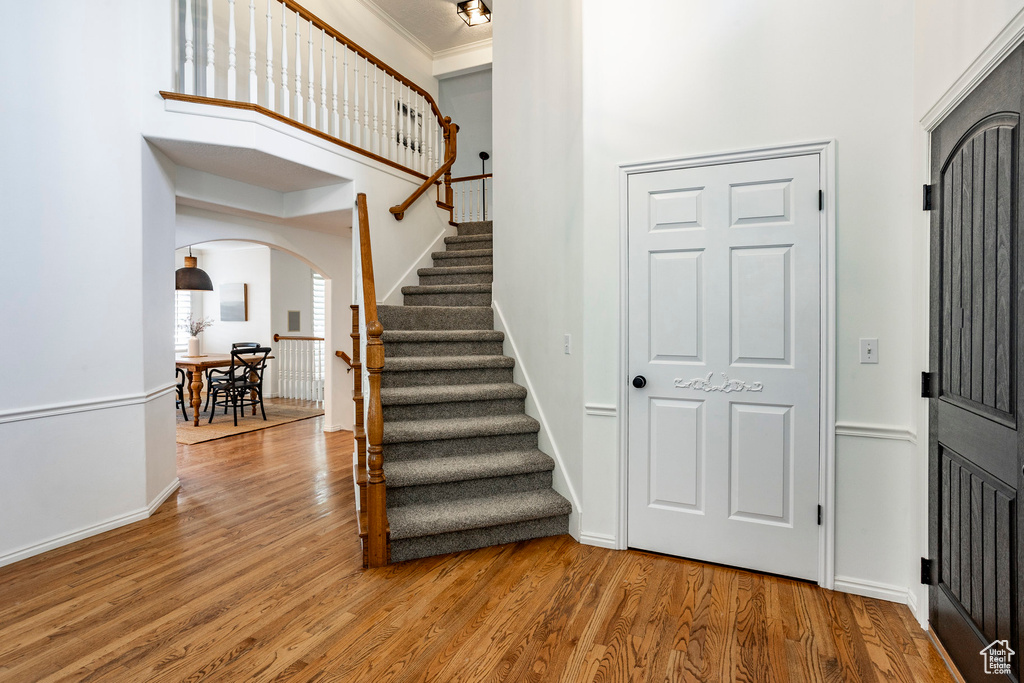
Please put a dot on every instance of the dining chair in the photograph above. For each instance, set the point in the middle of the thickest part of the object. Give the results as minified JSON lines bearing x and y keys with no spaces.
{"x":213,"y":375}
{"x":179,"y":389}
{"x":243,"y":385}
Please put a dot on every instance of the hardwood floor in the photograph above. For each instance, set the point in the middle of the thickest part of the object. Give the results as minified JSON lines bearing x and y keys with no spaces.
{"x":252,"y":573}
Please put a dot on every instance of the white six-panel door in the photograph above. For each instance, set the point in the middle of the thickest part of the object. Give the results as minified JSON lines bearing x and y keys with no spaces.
{"x":724,"y":325}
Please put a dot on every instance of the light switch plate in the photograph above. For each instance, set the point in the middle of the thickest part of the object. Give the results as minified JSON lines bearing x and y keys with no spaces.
{"x":868,"y":350}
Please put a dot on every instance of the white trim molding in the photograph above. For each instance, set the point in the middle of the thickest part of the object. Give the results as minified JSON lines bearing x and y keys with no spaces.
{"x":874,"y":589}
{"x":540,"y":417}
{"x":1008,"y":40}
{"x":876,"y":431}
{"x":57,"y":409}
{"x":825,"y":150}
{"x":108,"y":525}
{"x":378,"y":12}
{"x":601,"y":409}
{"x":599,"y":540}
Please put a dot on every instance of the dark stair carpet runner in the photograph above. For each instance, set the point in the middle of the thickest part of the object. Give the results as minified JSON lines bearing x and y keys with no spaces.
{"x":461,"y":460}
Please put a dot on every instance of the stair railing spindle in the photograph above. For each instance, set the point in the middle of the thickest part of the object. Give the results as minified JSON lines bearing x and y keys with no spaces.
{"x":254,"y":95}
{"x":393,"y":106}
{"x":285,"y":95}
{"x":346,"y":124}
{"x":232,"y":73}
{"x":356,"y":129}
{"x":376,"y":115}
{"x":324,"y":121}
{"x":270,"y":58}
{"x":211,"y":72}
{"x":298,"y":68}
{"x":335,"y":125}
{"x":367,"y":140}
{"x":190,"y":51}
{"x":311,"y":79}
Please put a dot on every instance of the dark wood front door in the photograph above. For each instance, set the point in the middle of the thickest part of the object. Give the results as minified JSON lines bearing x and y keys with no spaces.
{"x":975,"y":448}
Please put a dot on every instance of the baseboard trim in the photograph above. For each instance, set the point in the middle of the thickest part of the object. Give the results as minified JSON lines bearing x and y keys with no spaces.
{"x":873,"y":589}
{"x":599,"y":540}
{"x":93,"y":530}
{"x":946,"y":659}
{"x":544,"y":425}
{"x":875,"y":431}
{"x":337,"y":428}
{"x":163,"y":496}
{"x":58,"y":409}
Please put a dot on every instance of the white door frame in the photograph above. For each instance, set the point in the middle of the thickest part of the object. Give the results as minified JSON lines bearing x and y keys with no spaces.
{"x":826,"y":151}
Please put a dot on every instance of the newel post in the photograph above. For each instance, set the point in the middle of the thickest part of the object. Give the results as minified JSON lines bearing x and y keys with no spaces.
{"x":376,"y":494}
{"x":357,"y":398}
{"x":450,"y":130}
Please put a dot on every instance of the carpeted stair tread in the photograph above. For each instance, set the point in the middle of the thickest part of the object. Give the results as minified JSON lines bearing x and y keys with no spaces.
{"x":476,"y":227}
{"x":412,"y":336}
{"x":436,"y":317}
{"x":465,"y":253}
{"x":448,"y":289}
{"x":465,"y":239}
{"x":420,"y":363}
{"x":459,"y":428}
{"x":450,"y":393}
{"x":455,"y":270}
{"x":465,"y":467}
{"x":475,"y":513}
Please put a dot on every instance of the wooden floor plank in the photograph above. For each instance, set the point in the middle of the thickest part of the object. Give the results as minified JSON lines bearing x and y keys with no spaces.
{"x":252,"y":571}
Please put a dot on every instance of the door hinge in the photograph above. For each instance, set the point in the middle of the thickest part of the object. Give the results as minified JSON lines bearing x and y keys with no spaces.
{"x":927,"y":198}
{"x":927,"y":385}
{"x":820,"y":513}
{"x":926,"y":571}
{"x":821,"y":200}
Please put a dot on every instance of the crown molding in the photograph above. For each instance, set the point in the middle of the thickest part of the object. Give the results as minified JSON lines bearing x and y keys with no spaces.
{"x":398,"y":28}
{"x":463,"y":49}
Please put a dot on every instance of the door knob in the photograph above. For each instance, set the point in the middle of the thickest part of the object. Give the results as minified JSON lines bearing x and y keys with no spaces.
{"x":639,"y":381}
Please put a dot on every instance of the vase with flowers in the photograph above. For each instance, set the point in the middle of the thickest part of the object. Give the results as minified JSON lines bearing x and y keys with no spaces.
{"x":195,"y":328}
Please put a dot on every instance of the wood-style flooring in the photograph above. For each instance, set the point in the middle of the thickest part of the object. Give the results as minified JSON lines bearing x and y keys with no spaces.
{"x":251,"y":572}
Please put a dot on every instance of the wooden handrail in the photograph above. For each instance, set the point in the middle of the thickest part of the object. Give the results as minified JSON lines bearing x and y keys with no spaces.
{"x":279,"y":337}
{"x":377,"y":548}
{"x":345,"y":357}
{"x":450,"y":152}
{"x":464,"y":178}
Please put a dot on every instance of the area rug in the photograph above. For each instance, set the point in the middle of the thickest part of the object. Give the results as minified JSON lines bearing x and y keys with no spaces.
{"x":223,"y":425}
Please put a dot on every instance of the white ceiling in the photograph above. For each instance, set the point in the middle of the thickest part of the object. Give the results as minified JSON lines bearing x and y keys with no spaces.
{"x":433,"y":22}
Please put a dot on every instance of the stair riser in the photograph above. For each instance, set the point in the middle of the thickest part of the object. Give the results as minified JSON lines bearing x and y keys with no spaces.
{"x":461,"y":490}
{"x":447,"y":447}
{"x":465,"y":246}
{"x":420,"y":349}
{"x":419,"y":318}
{"x":437,"y":377}
{"x":454,"y":409}
{"x":458,"y":279}
{"x":471,"y":299}
{"x":475,"y":228}
{"x":463,"y":261}
{"x":425,"y":546}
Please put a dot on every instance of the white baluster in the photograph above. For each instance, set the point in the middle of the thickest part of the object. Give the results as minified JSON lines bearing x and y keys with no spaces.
{"x":463,"y":200}
{"x":405,"y":126}
{"x":254,"y":93}
{"x":232,"y":74}
{"x":416,"y":131}
{"x":298,"y":68}
{"x":346,"y":124}
{"x":392,"y":105}
{"x":356,"y":129}
{"x":211,"y":72}
{"x":190,"y":51}
{"x":383,"y":143}
{"x":334,"y":88}
{"x":324,"y":121}
{"x":270,"y":58}
{"x":285,"y":95}
{"x":429,"y":116}
{"x":311,"y":89}
{"x":367,"y":141}
{"x":376,"y":131}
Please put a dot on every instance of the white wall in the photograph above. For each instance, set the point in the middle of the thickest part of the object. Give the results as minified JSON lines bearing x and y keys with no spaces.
{"x":467,"y":99}
{"x":539,"y":224}
{"x":249,"y":265}
{"x":84,"y":411}
{"x":676,"y":87}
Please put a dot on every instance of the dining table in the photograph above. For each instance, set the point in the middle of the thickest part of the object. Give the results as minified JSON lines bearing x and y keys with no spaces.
{"x":195,"y":367}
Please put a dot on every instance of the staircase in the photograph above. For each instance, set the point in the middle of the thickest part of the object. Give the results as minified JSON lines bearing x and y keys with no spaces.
{"x":461,"y":460}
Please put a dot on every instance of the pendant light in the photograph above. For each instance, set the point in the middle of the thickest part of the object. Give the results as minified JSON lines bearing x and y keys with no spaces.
{"x":191,"y":278}
{"x":474,"y":12}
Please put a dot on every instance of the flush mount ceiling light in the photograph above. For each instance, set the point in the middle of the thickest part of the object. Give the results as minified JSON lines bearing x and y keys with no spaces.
{"x":474,"y":12}
{"x":191,"y":278}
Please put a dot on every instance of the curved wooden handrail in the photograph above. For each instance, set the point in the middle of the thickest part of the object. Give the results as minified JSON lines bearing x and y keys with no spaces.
{"x":279,"y":337}
{"x":450,"y":152}
{"x":480,"y":176}
{"x":376,"y":552}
